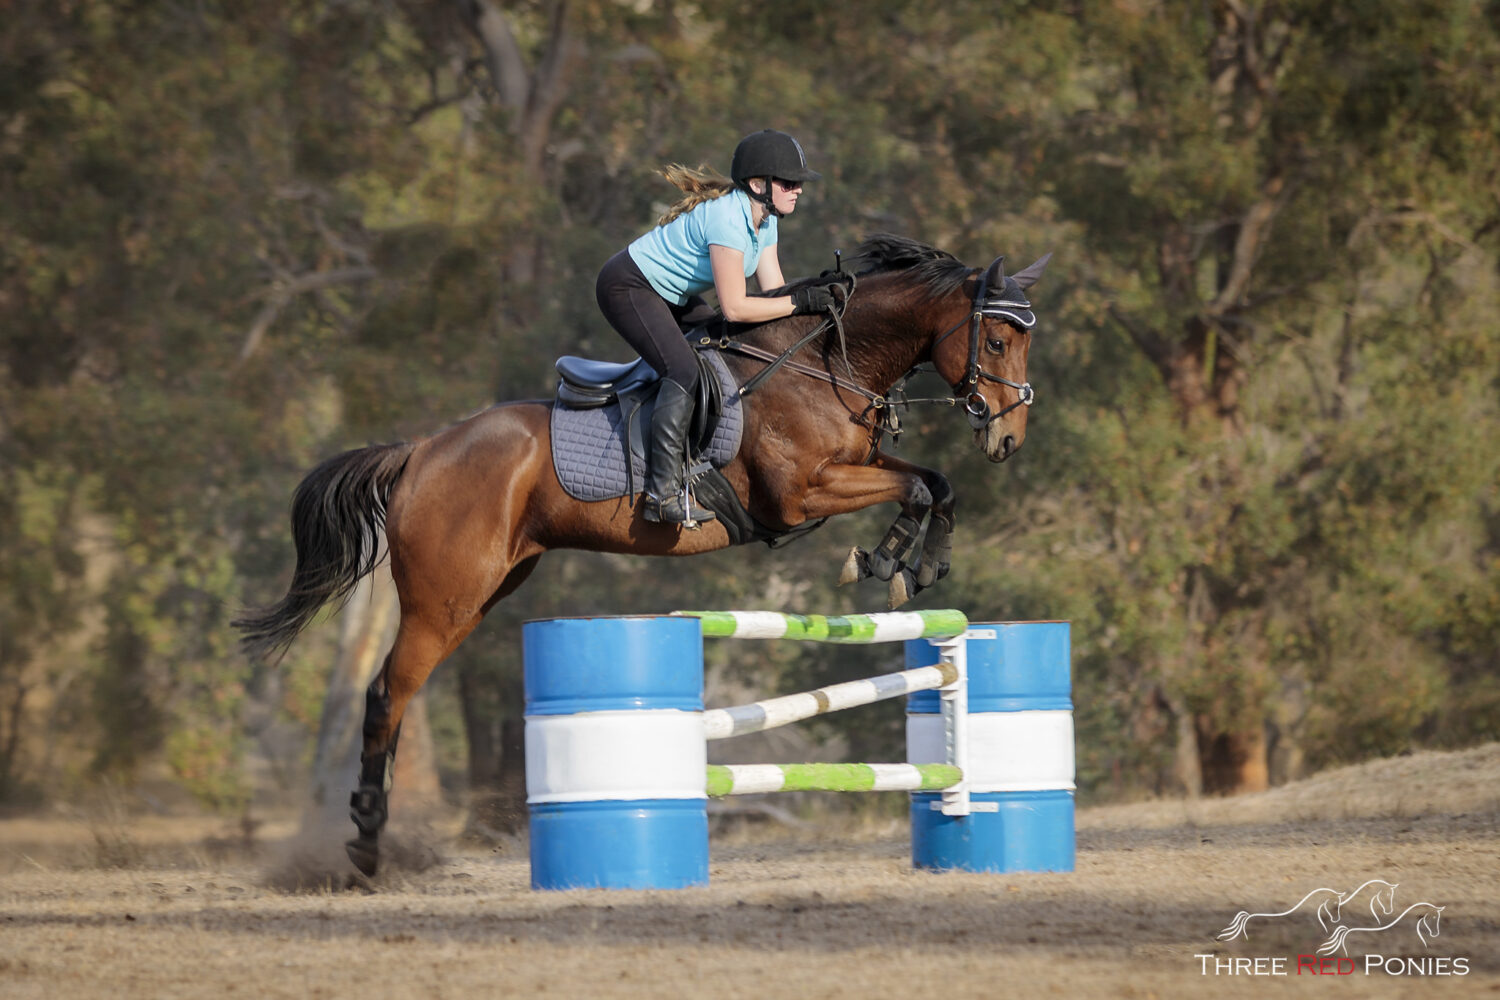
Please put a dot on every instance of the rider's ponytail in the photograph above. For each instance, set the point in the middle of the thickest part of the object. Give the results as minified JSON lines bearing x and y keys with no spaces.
{"x":701,"y":184}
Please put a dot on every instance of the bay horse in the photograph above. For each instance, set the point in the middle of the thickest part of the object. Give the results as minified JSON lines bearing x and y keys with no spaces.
{"x":469,"y":511}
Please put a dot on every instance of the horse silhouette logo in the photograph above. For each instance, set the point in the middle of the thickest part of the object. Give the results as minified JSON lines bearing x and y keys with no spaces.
{"x":1428,"y":920}
{"x":1330,"y":906}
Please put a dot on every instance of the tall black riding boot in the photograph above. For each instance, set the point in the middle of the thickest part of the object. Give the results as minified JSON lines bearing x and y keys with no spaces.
{"x":666,"y":496}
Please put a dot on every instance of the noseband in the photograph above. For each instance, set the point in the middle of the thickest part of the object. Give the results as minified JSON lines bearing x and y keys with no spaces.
{"x":1015,"y":309}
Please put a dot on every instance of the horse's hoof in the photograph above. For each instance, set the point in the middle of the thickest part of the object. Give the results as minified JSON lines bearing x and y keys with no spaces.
{"x":856,"y":567}
{"x":365,"y":854}
{"x":903,"y":587}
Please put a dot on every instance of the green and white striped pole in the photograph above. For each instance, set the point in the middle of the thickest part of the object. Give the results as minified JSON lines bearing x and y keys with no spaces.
{"x":751,"y":779}
{"x":895,"y":626}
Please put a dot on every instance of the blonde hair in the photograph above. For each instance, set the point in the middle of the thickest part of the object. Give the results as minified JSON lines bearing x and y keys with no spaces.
{"x":700,"y":184}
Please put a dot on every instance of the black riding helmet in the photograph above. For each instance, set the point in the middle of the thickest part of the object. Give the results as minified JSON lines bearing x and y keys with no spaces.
{"x":769,"y":153}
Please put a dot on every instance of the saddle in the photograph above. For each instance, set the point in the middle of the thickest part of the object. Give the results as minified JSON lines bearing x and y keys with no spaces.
{"x":601,"y":425}
{"x":587,"y":385}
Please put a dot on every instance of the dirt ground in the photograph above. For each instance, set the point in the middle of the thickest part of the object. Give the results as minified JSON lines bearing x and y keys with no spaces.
{"x":129,"y":907}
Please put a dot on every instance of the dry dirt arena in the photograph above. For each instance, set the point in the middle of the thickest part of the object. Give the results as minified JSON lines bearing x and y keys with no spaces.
{"x":137,"y":908}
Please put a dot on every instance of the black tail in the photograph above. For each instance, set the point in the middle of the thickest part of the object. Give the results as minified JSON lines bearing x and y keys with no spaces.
{"x":338,"y":512}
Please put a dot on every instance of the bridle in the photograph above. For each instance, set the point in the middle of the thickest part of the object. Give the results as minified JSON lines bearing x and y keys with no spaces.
{"x":1010,"y":305}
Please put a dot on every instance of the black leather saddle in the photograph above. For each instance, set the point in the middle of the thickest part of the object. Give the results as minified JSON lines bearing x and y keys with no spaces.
{"x":586,"y":384}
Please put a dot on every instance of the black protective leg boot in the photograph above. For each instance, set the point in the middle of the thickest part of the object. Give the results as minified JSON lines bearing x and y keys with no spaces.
{"x":666,"y":497}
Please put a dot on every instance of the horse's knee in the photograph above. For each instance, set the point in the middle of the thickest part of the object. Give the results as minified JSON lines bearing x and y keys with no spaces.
{"x":943,"y":496}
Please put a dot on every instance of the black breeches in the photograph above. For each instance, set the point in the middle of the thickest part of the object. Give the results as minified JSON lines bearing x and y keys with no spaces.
{"x":648,"y":322}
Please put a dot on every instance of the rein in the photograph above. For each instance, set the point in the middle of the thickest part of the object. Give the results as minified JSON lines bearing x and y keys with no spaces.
{"x":777,"y":361}
{"x":965,"y":391}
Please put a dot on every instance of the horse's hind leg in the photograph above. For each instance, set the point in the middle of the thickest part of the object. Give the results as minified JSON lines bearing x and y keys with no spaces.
{"x":418,"y":649}
{"x":368,"y":803}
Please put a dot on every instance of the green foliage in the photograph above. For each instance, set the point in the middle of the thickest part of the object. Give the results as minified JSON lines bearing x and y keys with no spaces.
{"x":1260,"y":478}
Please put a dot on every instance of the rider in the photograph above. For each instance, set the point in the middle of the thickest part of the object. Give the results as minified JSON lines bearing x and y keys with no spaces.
{"x":720,"y":233}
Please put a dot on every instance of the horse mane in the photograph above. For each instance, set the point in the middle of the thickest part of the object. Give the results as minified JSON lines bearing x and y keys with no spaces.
{"x":938,"y":271}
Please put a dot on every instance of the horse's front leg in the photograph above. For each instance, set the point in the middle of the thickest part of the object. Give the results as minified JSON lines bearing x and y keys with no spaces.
{"x":908,"y":576}
{"x":937,"y":547}
{"x":840,"y":489}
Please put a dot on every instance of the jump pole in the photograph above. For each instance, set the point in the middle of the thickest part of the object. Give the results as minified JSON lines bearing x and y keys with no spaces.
{"x":616,"y":744}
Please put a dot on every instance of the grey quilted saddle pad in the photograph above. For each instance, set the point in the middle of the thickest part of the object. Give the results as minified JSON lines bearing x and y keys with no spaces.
{"x":588,"y":446}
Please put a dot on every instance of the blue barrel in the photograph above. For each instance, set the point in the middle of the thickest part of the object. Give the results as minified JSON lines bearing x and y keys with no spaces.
{"x":1020,"y":768}
{"x":615,"y":754}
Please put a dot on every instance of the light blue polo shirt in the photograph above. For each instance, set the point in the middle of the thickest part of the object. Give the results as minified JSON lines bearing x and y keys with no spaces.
{"x":674,"y":257}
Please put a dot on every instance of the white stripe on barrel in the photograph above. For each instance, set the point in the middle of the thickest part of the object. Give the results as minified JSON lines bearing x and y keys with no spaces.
{"x":589,"y":756}
{"x":1023,"y":751}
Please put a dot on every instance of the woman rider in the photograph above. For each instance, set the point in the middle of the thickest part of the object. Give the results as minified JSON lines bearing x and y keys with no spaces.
{"x":722,"y":232}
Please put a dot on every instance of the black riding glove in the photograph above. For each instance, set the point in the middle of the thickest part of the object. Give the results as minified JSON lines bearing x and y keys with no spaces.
{"x":812,"y":299}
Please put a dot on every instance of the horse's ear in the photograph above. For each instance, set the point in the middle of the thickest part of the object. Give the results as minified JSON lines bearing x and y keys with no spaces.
{"x":1030,"y":275}
{"x":995,"y":276}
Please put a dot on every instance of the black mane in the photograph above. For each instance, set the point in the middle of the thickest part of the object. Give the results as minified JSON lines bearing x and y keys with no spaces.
{"x":938,"y":271}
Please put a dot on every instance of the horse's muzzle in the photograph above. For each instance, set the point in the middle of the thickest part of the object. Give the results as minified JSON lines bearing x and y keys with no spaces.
{"x":997,"y":445}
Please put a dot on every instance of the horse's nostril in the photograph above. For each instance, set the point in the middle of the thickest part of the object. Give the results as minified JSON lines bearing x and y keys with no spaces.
{"x":1008,"y":445}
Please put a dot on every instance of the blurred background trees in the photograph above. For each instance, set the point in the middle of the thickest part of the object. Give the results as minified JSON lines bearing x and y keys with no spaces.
{"x":1261,"y":477}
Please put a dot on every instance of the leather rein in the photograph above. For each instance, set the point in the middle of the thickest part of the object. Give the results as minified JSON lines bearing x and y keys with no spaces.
{"x":886,"y":420}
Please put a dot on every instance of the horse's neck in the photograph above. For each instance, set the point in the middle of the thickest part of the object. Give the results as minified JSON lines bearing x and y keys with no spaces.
{"x":880,"y":349}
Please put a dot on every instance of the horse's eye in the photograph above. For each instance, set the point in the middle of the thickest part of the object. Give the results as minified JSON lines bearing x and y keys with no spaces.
{"x":995,"y":346}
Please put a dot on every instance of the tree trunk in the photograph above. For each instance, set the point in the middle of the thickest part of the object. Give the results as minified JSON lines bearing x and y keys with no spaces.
{"x":497,"y":754}
{"x":512,"y":785}
{"x":1187,"y":762}
{"x":530,"y":95}
{"x":482,"y":732}
{"x":416,"y":791}
{"x":1232,"y":761}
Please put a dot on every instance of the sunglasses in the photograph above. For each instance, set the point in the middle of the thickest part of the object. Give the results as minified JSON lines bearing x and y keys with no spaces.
{"x":787,"y":185}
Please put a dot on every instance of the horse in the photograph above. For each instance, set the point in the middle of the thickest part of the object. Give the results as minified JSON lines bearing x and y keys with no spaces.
{"x":1329,"y":907}
{"x":468,"y":512}
{"x":1429,"y":925}
{"x":1382,"y":898}
{"x":1325,"y":904}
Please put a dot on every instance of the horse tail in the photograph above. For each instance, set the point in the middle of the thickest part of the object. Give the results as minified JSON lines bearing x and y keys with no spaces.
{"x":338,"y":513}
{"x":1335,"y":942}
{"x":1236,"y":926}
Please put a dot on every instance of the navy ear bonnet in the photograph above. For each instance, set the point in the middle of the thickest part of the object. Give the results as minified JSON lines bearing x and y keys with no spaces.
{"x":1009,"y":302}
